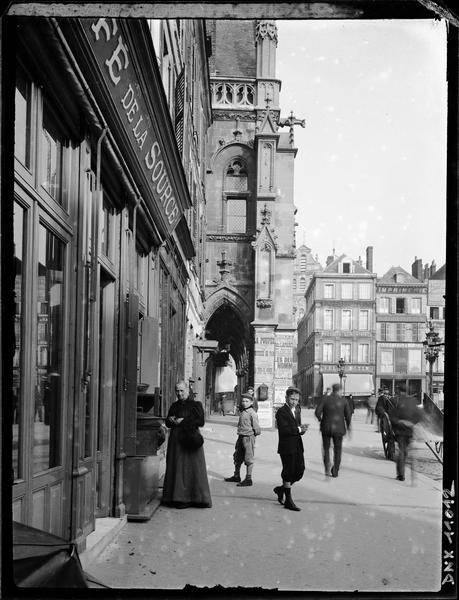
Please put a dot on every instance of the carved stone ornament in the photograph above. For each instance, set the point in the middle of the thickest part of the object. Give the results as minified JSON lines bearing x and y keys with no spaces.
{"x":229,"y":237}
{"x":264,"y":302}
{"x":224,"y":115}
{"x":266,"y":28}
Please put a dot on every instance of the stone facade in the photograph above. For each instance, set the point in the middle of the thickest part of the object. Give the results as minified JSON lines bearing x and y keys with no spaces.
{"x":400,"y":331}
{"x":339,"y":323}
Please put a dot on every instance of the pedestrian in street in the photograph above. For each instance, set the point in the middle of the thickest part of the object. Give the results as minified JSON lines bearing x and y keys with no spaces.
{"x":404,"y":415}
{"x":244,"y":452}
{"x":290,"y":447}
{"x":334,"y":415}
{"x":371,"y":406}
{"x":185,"y":480}
{"x":350,"y":401}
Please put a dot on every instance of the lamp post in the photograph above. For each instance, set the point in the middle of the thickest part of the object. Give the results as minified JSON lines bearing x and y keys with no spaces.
{"x":432,"y":345}
{"x":341,"y":374}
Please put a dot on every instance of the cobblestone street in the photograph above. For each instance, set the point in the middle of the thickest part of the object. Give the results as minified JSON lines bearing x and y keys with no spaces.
{"x":362,"y":531}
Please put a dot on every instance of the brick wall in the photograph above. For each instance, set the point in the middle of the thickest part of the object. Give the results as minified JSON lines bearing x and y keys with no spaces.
{"x":233,"y":48}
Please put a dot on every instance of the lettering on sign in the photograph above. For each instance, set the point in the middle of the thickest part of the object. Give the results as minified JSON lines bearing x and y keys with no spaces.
{"x":449,"y":558}
{"x":113,"y":57}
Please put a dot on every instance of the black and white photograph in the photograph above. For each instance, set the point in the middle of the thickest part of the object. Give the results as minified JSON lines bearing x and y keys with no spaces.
{"x":229,"y":261}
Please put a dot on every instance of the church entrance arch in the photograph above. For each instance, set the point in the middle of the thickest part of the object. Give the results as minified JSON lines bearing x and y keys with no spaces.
{"x":228,"y":369}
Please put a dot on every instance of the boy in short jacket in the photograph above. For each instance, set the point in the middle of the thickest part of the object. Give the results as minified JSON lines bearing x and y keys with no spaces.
{"x":244,"y":452}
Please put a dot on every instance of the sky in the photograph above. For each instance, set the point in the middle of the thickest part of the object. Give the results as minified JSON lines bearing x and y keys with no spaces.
{"x":371,"y":162}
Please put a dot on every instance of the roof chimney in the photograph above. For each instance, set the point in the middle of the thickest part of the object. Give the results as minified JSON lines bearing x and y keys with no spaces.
{"x":330,"y":259}
{"x":433,"y":268}
{"x":416,"y":268}
{"x":426,"y":271}
{"x":370,"y":259}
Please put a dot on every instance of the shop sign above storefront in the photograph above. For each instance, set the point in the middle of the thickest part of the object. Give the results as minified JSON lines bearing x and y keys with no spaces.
{"x":115,"y":61}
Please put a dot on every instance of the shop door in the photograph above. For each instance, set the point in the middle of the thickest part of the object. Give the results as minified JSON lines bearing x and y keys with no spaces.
{"x":106,"y":396}
{"x":43,"y":447}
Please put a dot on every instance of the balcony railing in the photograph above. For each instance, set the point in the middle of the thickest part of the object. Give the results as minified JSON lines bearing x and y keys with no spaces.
{"x":232,"y":94}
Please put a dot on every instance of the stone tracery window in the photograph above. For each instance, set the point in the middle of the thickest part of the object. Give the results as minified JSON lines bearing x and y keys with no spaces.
{"x":235,"y":196}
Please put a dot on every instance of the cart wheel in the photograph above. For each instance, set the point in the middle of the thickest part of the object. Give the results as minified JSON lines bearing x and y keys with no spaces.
{"x":387,"y":438}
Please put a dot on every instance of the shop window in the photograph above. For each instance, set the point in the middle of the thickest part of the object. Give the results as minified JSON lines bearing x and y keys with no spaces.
{"x":387,"y":361}
{"x":107,"y":230}
{"x":17,"y":397}
{"x":52,"y":152}
{"x":22,"y":119}
{"x":363,"y":353}
{"x":346,"y":352}
{"x":401,"y":360}
{"x":346,"y":320}
{"x":400,"y":305}
{"x":414,"y":360}
{"x":48,"y":389}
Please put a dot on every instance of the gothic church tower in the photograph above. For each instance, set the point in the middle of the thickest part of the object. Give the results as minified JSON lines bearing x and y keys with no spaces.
{"x":250,"y":244}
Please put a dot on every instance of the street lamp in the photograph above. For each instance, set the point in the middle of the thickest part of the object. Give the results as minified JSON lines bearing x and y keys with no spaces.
{"x":341,"y":374}
{"x":432,"y":345}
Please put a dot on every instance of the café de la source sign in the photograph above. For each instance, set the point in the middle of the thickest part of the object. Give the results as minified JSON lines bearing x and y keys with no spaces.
{"x":114,"y":59}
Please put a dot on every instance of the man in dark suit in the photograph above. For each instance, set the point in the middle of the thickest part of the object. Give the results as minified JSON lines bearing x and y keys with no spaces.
{"x":403,"y":416}
{"x":335,"y":416}
{"x":290,"y":448}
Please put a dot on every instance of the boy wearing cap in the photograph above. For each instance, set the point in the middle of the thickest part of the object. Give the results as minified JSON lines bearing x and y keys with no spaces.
{"x":244,"y":452}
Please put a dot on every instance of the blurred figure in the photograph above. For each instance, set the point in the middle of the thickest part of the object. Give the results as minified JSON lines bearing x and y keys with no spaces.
{"x":334,"y":416}
{"x":371,"y":408}
{"x":404,"y":415}
{"x":350,"y":401}
{"x":384,"y":404}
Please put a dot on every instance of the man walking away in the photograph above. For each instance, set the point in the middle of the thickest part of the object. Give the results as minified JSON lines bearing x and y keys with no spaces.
{"x":335,"y":417}
{"x":290,"y":448}
{"x":403,"y":416}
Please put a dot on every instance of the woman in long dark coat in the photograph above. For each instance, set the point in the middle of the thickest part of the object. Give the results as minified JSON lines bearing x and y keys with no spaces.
{"x":185,"y":481}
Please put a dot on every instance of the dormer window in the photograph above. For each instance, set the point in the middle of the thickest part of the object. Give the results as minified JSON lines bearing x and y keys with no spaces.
{"x":346,"y":267}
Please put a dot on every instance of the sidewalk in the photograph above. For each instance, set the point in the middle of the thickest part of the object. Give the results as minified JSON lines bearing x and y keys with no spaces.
{"x":362,"y":531}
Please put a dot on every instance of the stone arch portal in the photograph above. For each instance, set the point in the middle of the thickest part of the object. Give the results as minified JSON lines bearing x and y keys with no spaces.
{"x":226,"y":325}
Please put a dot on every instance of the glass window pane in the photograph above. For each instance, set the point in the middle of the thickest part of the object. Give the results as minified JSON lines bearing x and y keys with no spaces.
{"x":48,"y":388}
{"x":328,"y":319}
{"x":416,"y":306}
{"x":387,"y":361}
{"x":384,"y":305}
{"x":363,"y":320}
{"x":415,"y":360}
{"x":346,"y":319}
{"x":52,"y":154}
{"x":22,"y":119}
{"x":328,"y":291}
{"x":16,"y":399}
{"x":346,"y":352}
{"x":328,"y":353}
{"x":236,"y":222}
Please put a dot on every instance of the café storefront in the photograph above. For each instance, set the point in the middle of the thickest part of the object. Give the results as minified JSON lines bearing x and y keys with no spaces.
{"x":100,"y":251}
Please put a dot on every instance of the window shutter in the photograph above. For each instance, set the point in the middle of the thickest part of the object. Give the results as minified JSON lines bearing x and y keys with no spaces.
{"x":179,"y":109}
